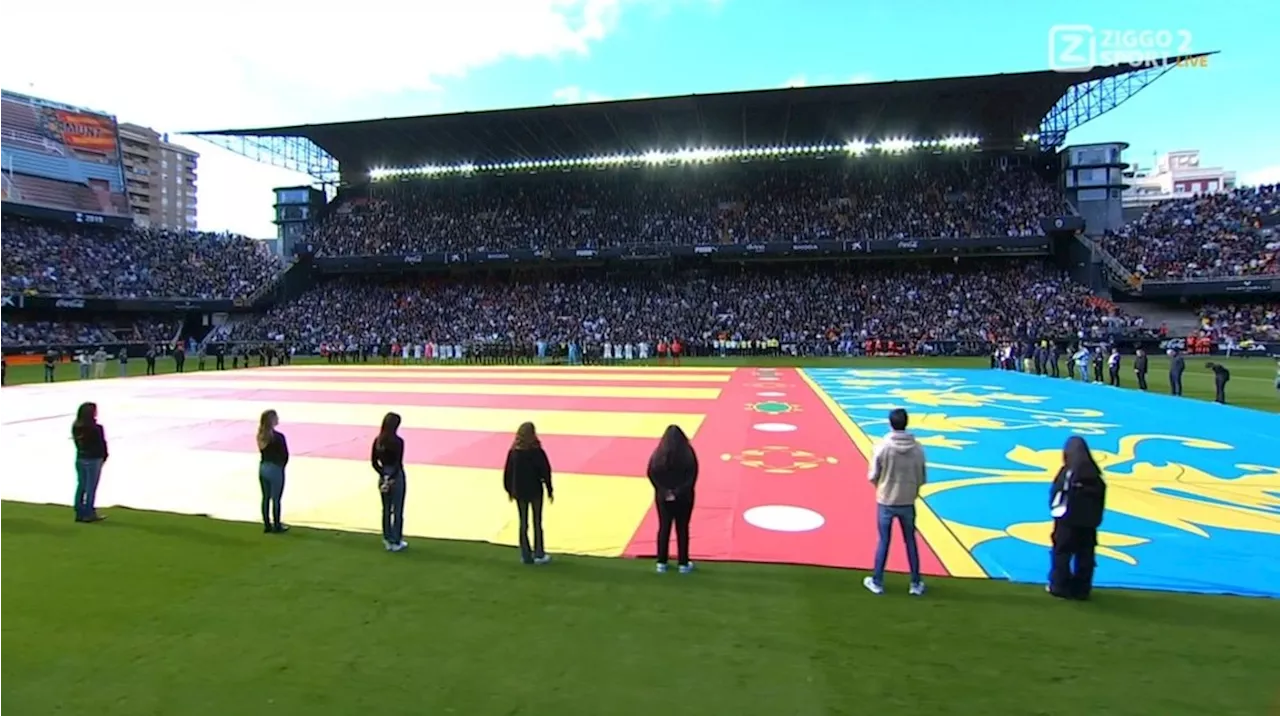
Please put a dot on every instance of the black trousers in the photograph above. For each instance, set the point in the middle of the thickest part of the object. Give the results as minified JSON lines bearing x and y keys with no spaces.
{"x":1114,"y":377}
{"x":1054,"y":370}
{"x":1219,"y":391}
{"x":674,"y":514}
{"x":1071,"y":571}
{"x":1142,"y":381}
{"x":1175,"y":384}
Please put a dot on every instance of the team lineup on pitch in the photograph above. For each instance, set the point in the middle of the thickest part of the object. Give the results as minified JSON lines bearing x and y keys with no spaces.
{"x":1194,"y":494}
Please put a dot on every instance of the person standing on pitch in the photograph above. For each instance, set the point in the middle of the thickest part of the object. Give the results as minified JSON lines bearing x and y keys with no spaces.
{"x":50,"y":364}
{"x":525,"y":478}
{"x":274,"y":451}
{"x":673,"y":472}
{"x":91,"y":453}
{"x":1177,"y":365}
{"x":1113,"y":368}
{"x":1140,"y":369}
{"x":898,"y":472}
{"x":387,"y":458}
{"x":1077,"y":501}
{"x":1220,"y":377}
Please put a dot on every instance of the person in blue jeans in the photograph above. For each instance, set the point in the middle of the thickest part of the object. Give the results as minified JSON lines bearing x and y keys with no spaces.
{"x":91,"y":454}
{"x":898,"y":472}
{"x":274,"y":452}
{"x":387,"y":458}
{"x":526,"y":477}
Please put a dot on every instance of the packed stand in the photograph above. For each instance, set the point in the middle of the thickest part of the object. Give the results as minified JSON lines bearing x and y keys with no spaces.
{"x":674,"y":205}
{"x":77,"y":260}
{"x":33,"y":333}
{"x":805,"y":305}
{"x":1211,"y":236}
{"x":1241,"y":322}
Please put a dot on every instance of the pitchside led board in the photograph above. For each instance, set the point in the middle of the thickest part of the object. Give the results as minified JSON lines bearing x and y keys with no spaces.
{"x":61,"y":162}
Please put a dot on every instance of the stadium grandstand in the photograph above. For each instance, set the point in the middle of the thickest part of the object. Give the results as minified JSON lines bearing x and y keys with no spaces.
{"x":734,"y":216}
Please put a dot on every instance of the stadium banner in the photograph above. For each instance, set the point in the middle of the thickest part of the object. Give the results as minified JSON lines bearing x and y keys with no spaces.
{"x":1225,"y":287}
{"x":87,"y":132}
{"x":45,"y":213}
{"x":1000,"y":244}
{"x":124,"y":305}
{"x":15,"y":300}
{"x":653,"y":252}
{"x":33,"y":353}
{"x":1244,"y":348}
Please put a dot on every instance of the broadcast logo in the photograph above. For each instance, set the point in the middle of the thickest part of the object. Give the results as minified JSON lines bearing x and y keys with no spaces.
{"x":1081,"y":48}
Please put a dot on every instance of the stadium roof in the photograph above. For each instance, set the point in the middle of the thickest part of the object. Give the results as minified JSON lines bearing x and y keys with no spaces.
{"x":1000,"y":109}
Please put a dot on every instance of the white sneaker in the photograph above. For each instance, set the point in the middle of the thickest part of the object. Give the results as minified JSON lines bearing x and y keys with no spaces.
{"x":871,"y":585}
{"x":916,"y":589}
{"x":545,"y":559}
{"x":399,"y":547}
{"x":402,"y":544}
{"x":662,"y":568}
{"x":686,"y":568}
{"x":387,"y":545}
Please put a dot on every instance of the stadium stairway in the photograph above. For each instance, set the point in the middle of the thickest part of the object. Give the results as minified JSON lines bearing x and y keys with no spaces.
{"x":1181,"y":321}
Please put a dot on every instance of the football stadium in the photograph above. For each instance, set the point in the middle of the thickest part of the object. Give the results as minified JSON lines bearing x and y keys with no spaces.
{"x":773,"y":274}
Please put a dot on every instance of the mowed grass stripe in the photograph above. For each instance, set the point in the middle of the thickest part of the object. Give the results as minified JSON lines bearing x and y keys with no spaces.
{"x":467,"y":388}
{"x":552,"y":422}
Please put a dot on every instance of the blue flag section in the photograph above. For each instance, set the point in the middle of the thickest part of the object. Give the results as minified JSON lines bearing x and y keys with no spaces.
{"x":1193,"y":499}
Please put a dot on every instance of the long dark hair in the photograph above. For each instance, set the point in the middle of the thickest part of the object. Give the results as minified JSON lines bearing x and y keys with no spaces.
{"x":1077,"y":458}
{"x":267,"y":423}
{"x":390,"y":424}
{"x":526,"y":438}
{"x":86,"y":415}
{"x":674,"y":451}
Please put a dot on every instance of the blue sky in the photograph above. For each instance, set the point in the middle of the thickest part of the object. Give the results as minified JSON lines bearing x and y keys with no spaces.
{"x":240,"y":65}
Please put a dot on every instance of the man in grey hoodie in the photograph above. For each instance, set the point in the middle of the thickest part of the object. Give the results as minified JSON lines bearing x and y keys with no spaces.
{"x":898,"y":472}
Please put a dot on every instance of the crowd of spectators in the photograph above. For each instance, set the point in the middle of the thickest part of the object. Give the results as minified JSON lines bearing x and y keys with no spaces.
{"x":803,"y":304}
{"x":698,"y":204}
{"x":1210,"y":236}
{"x":79,"y":260}
{"x":1240,"y":322}
{"x":28,"y":333}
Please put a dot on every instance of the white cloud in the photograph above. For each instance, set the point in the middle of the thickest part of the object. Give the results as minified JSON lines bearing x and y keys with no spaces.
{"x":574,"y":94}
{"x":797,"y":81}
{"x":241,"y":63}
{"x":1262,"y":177}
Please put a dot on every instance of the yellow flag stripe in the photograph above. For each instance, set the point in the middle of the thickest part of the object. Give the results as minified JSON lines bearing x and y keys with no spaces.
{"x":555,"y":390}
{"x":551,"y":422}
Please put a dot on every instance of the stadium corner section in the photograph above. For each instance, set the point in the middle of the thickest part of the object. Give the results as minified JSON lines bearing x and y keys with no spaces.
{"x":945,"y":552}
{"x":780,"y":482}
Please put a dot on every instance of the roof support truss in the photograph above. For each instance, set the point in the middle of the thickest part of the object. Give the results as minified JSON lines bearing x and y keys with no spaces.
{"x":297,"y":154}
{"x":1084,"y":102}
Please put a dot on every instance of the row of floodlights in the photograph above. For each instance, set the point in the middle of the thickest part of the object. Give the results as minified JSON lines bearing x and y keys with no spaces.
{"x":695,"y":156}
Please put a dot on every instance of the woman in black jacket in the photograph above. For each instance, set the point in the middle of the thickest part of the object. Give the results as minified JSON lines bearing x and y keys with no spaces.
{"x":673,"y":471}
{"x":273,"y":451}
{"x":91,"y":454}
{"x":387,"y":458}
{"x":526,"y":475}
{"x":1077,"y":502}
